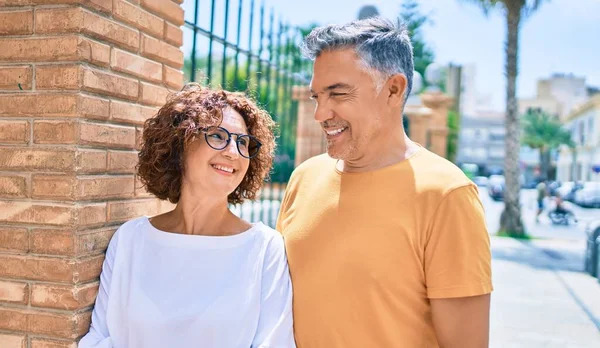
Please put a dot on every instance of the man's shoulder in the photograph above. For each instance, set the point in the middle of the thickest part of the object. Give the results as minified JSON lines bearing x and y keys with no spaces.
{"x":314,"y":166}
{"x":435,"y":173}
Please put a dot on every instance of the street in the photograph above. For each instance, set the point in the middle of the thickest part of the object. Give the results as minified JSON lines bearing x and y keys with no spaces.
{"x":541,"y":296}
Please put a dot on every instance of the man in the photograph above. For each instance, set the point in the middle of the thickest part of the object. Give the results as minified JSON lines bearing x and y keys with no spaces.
{"x":541,"y":195}
{"x":386,"y":241}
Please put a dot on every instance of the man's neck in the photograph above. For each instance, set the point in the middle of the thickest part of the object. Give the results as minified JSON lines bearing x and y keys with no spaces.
{"x":396,"y":150}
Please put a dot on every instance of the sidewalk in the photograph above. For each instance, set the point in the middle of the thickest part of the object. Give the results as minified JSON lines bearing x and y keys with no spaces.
{"x":541,"y":298}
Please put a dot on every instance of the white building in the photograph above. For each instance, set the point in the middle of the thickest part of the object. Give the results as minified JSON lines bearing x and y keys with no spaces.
{"x":557,"y":95}
{"x":583,"y":163}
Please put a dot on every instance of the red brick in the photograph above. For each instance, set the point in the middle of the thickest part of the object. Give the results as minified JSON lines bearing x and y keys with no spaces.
{"x":152,"y":94}
{"x":93,"y":52}
{"x":68,"y":297}
{"x":14,"y":292}
{"x":102,"y":187}
{"x":38,"y":49}
{"x":173,"y":77}
{"x":122,"y":161}
{"x":55,"y":132}
{"x":140,"y":189}
{"x":107,"y":30}
{"x":59,"y":325}
{"x":173,"y":34}
{"x":110,"y":84}
{"x":94,"y":241}
{"x":14,"y":132}
{"x":14,"y":239}
{"x":107,"y":135}
{"x":138,"y":137}
{"x":34,"y":159}
{"x":59,"y":187}
{"x":12,"y":76}
{"x":130,"y":113}
{"x":134,"y":15}
{"x":78,"y":20}
{"x":13,"y":186}
{"x":93,"y":107}
{"x":161,"y":51}
{"x":37,"y":268}
{"x":90,"y":161}
{"x":16,"y":22}
{"x":36,"y":213}
{"x":57,"y":77}
{"x":13,"y":341}
{"x":165,"y":9}
{"x":69,"y":242}
{"x":13,"y":319}
{"x":33,"y":104}
{"x":101,"y":5}
{"x":90,"y":214}
{"x":89,"y":269}
{"x":49,"y":343}
{"x":123,"y":211}
{"x":58,"y":20}
{"x":52,"y":242}
{"x":135,"y":65}
{"x":93,"y":187}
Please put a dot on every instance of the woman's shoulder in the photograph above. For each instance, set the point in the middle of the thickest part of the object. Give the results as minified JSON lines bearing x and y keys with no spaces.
{"x":129,"y":230}
{"x":270,"y":238}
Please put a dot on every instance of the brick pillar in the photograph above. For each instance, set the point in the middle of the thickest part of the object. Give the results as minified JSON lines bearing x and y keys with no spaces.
{"x":309,"y":134}
{"x":438,"y":127}
{"x":77,"y":80}
{"x":419,"y":118}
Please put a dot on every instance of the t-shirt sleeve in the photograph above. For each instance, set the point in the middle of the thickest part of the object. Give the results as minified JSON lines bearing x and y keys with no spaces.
{"x":98,"y":335}
{"x":284,"y":206}
{"x":275,"y":323}
{"x":457,"y":253}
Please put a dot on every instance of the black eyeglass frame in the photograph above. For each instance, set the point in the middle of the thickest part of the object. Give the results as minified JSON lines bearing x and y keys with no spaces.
{"x":229,"y":136}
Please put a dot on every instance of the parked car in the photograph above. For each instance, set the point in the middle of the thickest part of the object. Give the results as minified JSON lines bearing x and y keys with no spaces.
{"x":480,"y":180}
{"x":495,"y":187}
{"x":592,"y":232}
{"x":589,"y":195}
{"x":568,"y":189}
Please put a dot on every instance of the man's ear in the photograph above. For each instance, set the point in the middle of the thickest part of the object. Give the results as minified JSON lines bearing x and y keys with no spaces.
{"x":396,"y":86}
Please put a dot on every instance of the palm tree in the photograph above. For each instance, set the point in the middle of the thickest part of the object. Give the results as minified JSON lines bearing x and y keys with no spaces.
{"x":515,"y":11}
{"x":544,"y":132}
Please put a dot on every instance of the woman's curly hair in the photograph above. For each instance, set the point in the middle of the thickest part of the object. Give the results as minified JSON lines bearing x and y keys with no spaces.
{"x":179,"y":121}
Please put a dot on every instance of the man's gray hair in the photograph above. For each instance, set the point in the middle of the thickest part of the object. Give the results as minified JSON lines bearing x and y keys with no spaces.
{"x":382,"y":46}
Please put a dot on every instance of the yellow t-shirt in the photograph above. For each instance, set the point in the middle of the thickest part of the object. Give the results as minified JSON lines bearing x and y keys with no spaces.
{"x":368,"y":250}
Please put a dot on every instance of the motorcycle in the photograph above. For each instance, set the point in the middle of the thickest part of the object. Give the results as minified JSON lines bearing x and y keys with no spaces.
{"x":559,"y":217}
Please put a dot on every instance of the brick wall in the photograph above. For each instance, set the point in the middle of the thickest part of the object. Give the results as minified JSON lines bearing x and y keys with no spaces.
{"x":77,"y":80}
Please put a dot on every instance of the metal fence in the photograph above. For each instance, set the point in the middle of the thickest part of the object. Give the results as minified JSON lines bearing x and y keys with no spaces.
{"x":245,"y":49}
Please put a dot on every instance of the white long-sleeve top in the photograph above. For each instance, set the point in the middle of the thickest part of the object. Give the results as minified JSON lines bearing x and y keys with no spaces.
{"x":162,"y":290}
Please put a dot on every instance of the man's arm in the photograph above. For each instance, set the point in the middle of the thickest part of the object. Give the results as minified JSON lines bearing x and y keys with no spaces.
{"x":458,"y":270}
{"x":462,"y":322}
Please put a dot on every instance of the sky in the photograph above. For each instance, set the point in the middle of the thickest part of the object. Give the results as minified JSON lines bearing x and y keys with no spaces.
{"x":563,"y":36}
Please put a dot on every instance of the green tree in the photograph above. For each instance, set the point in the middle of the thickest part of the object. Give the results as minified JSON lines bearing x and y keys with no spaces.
{"x":514,"y":11}
{"x":453,"y":128}
{"x":544,"y":132}
{"x":411,"y":16}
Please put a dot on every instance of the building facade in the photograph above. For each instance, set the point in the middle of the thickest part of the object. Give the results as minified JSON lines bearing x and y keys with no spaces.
{"x":481,"y":142}
{"x":582,"y":162}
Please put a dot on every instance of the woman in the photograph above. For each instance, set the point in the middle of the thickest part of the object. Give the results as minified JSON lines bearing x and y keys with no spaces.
{"x":198,"y":276}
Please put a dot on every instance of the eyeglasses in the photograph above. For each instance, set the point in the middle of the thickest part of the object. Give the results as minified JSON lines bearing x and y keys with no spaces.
{"x":218,"y":138}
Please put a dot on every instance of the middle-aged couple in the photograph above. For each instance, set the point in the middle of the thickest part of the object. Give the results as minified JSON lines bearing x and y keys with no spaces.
{"x":379,"y":242}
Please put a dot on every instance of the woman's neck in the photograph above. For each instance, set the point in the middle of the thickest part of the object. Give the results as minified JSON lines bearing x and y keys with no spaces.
{"x":201,"y":215}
